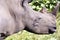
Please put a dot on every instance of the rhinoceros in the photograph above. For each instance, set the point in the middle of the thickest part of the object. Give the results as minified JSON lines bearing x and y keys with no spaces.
{"x":40,"y":22}
{"x":17,"y":15}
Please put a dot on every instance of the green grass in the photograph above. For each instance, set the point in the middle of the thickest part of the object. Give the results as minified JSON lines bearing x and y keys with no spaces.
{"x":24,"y":35}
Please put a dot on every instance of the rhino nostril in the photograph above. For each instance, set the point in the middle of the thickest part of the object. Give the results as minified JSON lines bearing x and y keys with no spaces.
{"x":52,"y":30}
{"x":54,"y":27}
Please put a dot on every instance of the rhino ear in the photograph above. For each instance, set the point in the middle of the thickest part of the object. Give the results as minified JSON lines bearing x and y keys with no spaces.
{"x":56,"y":8}
{"x":43,"y":10}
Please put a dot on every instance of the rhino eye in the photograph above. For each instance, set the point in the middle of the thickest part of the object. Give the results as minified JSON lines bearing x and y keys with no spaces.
{"x":35,"y":20}
{"x":39,"y":18}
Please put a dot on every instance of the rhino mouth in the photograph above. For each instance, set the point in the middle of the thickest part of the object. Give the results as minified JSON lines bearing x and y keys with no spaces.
{"x":50,"y":31}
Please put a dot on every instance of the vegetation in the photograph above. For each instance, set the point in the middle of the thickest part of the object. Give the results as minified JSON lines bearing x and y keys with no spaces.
{"x":24,"y":35}
{"x":38,"y":4}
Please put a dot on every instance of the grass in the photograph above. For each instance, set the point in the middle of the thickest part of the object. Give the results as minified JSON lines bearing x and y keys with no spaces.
{"x":24,"y":35}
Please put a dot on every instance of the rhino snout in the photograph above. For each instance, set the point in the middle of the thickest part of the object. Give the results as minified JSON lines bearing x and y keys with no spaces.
{"x":52,"y":30}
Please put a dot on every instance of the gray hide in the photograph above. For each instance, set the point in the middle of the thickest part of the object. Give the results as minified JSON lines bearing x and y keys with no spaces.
{"x":16,"y":15}
{"x":11,"y":12}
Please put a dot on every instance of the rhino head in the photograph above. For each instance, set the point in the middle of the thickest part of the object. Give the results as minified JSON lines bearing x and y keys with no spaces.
{"x":40,"y":22}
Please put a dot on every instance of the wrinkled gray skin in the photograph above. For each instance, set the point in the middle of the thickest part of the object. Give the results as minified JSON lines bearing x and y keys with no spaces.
{"x":16,"y":15}
{"x":8,"y":10}
{"x":11,"y":12}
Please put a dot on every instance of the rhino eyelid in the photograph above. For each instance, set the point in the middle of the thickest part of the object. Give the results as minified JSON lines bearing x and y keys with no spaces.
{"x":39,"y":18}
{"x":35,"y":20}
